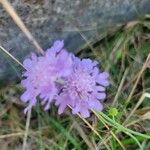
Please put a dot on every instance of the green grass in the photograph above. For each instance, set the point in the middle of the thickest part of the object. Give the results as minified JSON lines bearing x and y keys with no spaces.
{"x":123,"y":54}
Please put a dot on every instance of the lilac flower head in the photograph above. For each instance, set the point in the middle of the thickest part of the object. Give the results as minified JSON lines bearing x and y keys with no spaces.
{"x":70,"y":81}
{"x":42,"y":73}
{"x":84,"y":88}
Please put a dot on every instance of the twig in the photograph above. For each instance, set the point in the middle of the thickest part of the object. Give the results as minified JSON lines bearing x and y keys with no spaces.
{"x":21,"y":133}
{"x":138,"y":78}
{"x":27,"y":130}
{"x":113,"y":52}
{"x":16,"y":60}
{"x":11,"y":135}
{"x":83,"y":135}
{"x":120,"y":86}
{"x":136,"y":106}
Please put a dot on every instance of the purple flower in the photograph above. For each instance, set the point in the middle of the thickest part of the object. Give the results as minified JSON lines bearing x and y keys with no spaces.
{"x":84,"y":88}
{"x":61,"y":77}
{"x":42,"y":74}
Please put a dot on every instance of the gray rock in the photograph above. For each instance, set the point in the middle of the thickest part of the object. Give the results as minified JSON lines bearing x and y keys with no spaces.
{"x":49,"y":20}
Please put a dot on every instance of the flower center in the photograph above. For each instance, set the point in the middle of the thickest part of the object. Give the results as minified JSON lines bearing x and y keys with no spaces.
{"x":80,"y":84}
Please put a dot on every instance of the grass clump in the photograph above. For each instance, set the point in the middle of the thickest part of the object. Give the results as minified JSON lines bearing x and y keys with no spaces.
{"x":124,"y":124}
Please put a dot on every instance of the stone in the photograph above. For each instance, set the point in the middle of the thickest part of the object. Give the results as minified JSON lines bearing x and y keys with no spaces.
{"x":49,"y":20}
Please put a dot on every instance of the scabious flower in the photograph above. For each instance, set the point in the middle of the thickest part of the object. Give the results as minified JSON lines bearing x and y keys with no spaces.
{"x":42,"y":73}
{"x":68,"y":80}
{"x":84,"y":88}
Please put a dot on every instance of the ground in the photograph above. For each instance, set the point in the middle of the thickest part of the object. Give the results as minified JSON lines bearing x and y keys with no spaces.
{"x":125,"y":121}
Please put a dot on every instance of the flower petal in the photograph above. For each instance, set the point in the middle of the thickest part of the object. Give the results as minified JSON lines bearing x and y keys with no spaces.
{"x":95,"y":104}
{"x":100,"y":95}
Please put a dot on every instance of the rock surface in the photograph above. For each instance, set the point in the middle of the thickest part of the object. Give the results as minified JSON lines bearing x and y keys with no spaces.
{"x":48,"y":20}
